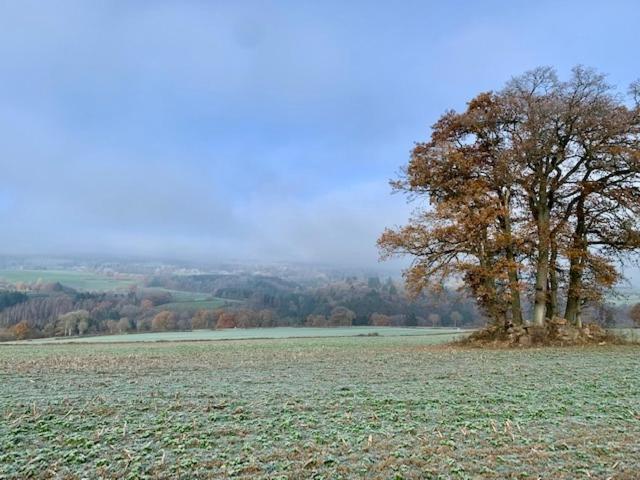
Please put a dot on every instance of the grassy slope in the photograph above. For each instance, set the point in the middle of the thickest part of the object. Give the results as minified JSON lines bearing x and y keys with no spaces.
{"x":92,"y":282}
{"x":360,"y":407}
{"x":190,"y":301}
{"x":442,"y":334}
{"x":85,"y":281}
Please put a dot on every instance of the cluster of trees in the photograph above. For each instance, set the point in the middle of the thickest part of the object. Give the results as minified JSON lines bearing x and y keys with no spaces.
{"x":365,"y":298}
{"x":219,"y":318}
{"x":107,"y":313}
{"x":54,"y":310}
{"x":294,"y":304}
{"x":532,"y":197}
{"x":9,"y":298}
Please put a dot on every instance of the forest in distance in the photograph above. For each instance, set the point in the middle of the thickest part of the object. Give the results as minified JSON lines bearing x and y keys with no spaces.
{"x":165,"y":302}
{"x":97,"y":303}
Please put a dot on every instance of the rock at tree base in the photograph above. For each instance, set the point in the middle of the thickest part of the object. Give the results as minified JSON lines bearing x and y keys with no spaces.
{"x":555,"y":332}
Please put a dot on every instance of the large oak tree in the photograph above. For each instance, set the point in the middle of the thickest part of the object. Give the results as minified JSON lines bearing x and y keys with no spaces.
{"x":533,"y":190}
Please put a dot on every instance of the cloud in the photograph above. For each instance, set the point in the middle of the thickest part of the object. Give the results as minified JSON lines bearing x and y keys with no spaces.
{"x":263,"y":130}
{"x":339,"y":226}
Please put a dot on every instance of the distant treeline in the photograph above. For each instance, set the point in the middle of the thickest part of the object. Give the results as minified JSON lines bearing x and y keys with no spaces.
{"x":237,"y":287}
{"x":251,"y":301}
{"x":9,"y":298}
{"x":295,"y":304}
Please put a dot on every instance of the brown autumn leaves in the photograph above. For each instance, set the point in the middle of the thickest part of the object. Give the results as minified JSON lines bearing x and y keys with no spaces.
{"x":529,"y":197}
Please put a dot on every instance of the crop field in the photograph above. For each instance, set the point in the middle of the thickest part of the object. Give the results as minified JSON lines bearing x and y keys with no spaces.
{"x":189,"y":301}
{"x":440,"y":335}
{"x":325,"y":408}
{"x":84,"y":281}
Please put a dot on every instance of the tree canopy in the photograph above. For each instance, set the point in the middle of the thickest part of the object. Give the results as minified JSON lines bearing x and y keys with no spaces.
{"x":533,"y":192}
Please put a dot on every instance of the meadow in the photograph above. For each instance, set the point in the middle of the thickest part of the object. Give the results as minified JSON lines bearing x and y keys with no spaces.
{"x":440,"y":334}
{"x":325,"y":408}
{"x":181,"y":301}
{"x":82,"y":281}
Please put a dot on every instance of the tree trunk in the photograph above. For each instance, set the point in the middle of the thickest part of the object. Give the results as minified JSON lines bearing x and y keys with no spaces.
{"x":576,"y":265}
{"x":573,"y":295}
{"x":490,"y":302}
{"x":514,"y":284}
{"x":552,"y":301}
{"x":542,"y":264}
{"x":489,"y":296}
{"x":514,"y":287}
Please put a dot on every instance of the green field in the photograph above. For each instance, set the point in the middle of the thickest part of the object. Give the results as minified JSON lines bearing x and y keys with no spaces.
{"x":93,"y":282}
{"x":83,"y":281}
{"x":324,"y":408}
{"x":440,"y":334}
{"x":189,"y":301}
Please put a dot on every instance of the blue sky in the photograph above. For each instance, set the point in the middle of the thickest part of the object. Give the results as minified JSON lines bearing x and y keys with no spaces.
{"x":254,"y":130}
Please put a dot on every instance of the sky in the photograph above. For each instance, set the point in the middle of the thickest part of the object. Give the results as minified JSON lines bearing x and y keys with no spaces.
{"x":262,"y":131}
